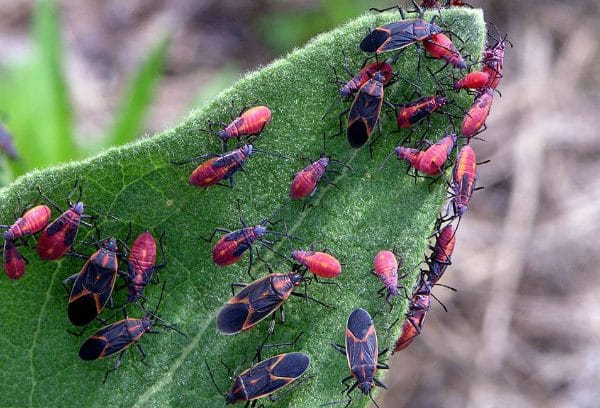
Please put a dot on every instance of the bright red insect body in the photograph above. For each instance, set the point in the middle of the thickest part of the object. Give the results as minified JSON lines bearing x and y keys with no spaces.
{"x":463,"y":178}
{"x":365,"y":74}
{"x":430,"y":161}
{"x":439,"y":46}
{"x":12,"y":261}
{"x":58,"y":237}
{"x":473,"y":80}
{"x":141,"y":265}
{"x":219,"y":168}
{"x":412,"y":112}
{"x":477,"y":113}
{"x":385,"y":266}
{"x":442,"y":252}
{"x":320,"y":264}
{"x":230,"y":247}
{"x":415,"y":317}
{"x":250,"y":122}
{"x":31,"y":222}
{"x":305,"y":181}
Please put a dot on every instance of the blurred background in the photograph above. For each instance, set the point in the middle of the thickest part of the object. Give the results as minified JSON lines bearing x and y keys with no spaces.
{"x":524,"y":328}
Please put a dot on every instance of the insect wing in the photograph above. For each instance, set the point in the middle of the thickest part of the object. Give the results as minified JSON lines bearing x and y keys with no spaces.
{"x":274,"y":373}
{"x":361,"y":339}
{"x":111,"y":339}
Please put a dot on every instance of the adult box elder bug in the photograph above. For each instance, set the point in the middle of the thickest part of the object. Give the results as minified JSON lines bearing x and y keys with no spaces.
{"x":257,"y":300}
{"x":365,"y":111}
{"x":362,"y":353}
{"x":117,"y":337}
{"x":398,"y":35}
{"x":141,"y":265}
{"x":94,"y":284}
{"x":265,"y":378}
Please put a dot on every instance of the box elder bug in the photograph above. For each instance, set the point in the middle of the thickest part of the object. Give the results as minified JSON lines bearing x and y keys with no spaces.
{"x":305,"y":181}
{"x":257,"y":300}
{"x":366,"y":73}
{"x":265,"y":378}
{"x":439,"y":46}
{"x":218,"y":168}
{"x":141,"y":265}
{"x":477,"y":114}
{"x":473,"y":80}
{"x":441,"y":254}
{"x":117,"y":337}
{"x":398,"y":35}
{"x":320,"y":264}
{"x":464,"y":177}
{"x":362,"y":353}
{"x":94,"y":284}
{"x":415,"y":317}
{"x":385,"y":267}
{"x":58,"y":236}
{"x":410,"y":113}
{"x":31,"y":222}
{"x":249,"y":122}
{"x":430,"y":161}
{"x":365,"y":111}
{"x":12,"y":260}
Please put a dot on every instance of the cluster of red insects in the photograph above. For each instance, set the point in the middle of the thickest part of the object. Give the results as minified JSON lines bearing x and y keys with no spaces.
{"x":93,"y":285}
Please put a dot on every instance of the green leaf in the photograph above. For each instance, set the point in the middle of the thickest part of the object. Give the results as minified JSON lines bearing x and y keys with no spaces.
{"x":371,"y":209}
{"x":138,"y":98}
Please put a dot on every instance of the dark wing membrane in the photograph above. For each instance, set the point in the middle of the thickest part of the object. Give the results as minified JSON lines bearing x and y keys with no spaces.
{"x":231,"y":318}
{"x":274,"y":373}
{"x":390,"y":37}
{"x":291,"y":365}
{"x":359,"y":323}
{"x":358,"y":134}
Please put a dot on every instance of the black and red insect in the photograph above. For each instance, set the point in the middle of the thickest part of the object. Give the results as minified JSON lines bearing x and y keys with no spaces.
{"x":384,"y":67}
{"x":441,"y":254}
{"x":430,"y":161}
{"x":415,"y":317}
{"x":398,"y":35}
{"x":258,"y":300}
{"x":141,"y":265}
{"x":265,"y":378}
{"x":439,"y":46}
{"x":117,"y":337}
{"x":464,"y":177}
{"x":477,"y":114}
{"x":365,"y":111}
{"x":218,"y":167}
{"x":94,"y":284}
{"x":13,"y":262}
{"x":362,"y":353}
{"x":306,"y":180}
{"x":58,"y":237}
{"x":410,"y":113}
{"x":29,"y":223}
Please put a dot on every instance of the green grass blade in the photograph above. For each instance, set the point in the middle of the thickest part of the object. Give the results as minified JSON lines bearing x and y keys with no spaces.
{"x":129,"y":121}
